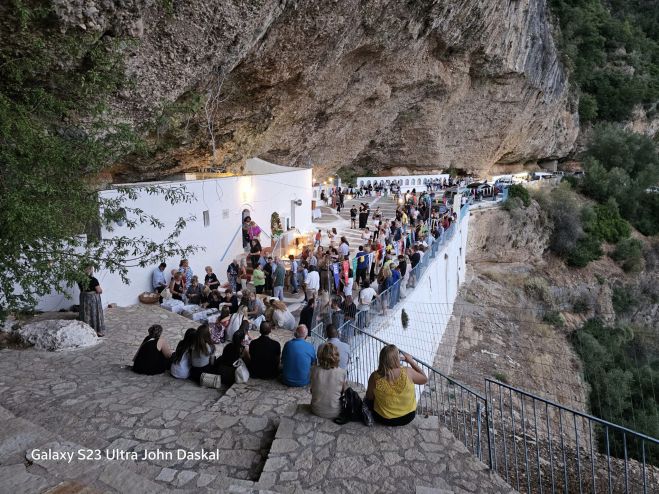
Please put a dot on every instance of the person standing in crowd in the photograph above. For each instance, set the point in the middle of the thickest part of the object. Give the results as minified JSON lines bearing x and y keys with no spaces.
{"x":186,"y":272}
{"x":91,"y":306}
{"x":332,"y":334}
{"x":232,"y":275}
{"x":297,"y":358}
{"x":255,"y":252}
{"x":293,"y":274}
{"x":312,"y":283}
{"x":278,"y":277}
{"x":318,"y":237}
{"x":262,"y":356}
{"x":362,"y":265}
{"x":353,"y":216}
{"x":258,"y":279}
{"x":158,"y":281}
{"x":267,"y":271}
{"x":344,"y":248}
{"x":306,"y":314}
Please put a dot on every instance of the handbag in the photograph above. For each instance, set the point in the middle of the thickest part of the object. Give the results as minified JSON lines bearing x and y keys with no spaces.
{"x":242,"y":373}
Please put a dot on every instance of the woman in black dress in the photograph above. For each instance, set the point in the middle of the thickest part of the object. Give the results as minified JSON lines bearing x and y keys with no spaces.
{"x":91,"y":306}
{"x":154,"y":354}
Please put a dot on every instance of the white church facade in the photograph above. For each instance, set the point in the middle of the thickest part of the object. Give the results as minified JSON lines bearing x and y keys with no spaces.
{"x":219,"y":206}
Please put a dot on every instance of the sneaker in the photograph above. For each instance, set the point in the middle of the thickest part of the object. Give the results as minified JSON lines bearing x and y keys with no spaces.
{"x":210,"y":380}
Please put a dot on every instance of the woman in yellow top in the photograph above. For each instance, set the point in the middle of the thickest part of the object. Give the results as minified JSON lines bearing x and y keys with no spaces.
{"x":391,"y":387}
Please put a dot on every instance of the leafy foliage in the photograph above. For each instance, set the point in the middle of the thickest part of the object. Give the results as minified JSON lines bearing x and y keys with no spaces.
{"x":629,"y":253}
{"x":517,"y":190}
{"x":612,"y":50}
{"x":55,"y":137}
{"x":622,"y":369}
{"x":621,"y":165}
{"x":578,"y":231}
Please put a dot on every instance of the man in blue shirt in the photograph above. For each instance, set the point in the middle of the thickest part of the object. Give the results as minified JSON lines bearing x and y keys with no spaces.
{"x":158,"y":281}
{"x":296,"y":359}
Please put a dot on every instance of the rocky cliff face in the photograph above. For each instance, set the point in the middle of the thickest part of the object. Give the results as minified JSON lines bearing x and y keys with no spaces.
{"x":372,"y":85}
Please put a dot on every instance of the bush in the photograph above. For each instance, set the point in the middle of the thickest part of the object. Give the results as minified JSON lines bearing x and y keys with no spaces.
{"x":620,"y":365}
{"x":581,"y":305}
{"x":605,"y":223}
{"x":521,"y":192}
{"x":501,"y":377}
{"x":554,"y":318}
{"x":629,"y":253}
{"x":538,"y":289}
{"x":586,"y":249}
{"x":624,"y":300}
{"x":512,"y":204}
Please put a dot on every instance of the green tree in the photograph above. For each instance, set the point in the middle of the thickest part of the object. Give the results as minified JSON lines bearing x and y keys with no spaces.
{"x":56,"y":135}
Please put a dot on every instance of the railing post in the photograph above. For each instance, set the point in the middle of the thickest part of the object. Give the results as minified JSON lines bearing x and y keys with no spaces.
{"x":479,"y":454}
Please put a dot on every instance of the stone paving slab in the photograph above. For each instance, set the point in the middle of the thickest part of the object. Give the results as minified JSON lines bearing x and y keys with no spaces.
{"x":314,"y":454}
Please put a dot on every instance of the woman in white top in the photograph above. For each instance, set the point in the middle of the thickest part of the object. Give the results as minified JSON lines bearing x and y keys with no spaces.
{"x":327,"y":382}
{"x":235,"y":322}
{"x":180,"y":367}
{"x":282,"y":317}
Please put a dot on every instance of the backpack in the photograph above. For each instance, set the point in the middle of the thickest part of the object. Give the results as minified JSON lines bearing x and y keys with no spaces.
{"x":353,"y":409}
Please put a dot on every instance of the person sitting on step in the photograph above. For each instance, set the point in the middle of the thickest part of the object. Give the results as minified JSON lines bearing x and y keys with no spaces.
{"x":296,"y":359}
{"x":328,"y":381}
{"x":390,"y":392}
{"x":180,"y":368}
{"x":153,"y":355}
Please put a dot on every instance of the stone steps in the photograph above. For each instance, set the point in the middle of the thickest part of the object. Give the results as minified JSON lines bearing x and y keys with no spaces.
{"x":316,"y":455}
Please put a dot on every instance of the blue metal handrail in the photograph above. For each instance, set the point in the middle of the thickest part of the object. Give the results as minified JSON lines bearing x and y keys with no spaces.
{"x":231,"y":242}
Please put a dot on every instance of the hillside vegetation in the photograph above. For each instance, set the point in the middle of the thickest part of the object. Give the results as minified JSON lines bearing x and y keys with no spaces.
{"x":612,"y":50}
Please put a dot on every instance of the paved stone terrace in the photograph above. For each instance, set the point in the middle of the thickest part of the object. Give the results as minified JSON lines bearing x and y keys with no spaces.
{"x":90,"y":399}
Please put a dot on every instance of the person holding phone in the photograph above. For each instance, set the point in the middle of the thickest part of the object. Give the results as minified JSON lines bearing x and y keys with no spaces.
{"x":390,"y":390}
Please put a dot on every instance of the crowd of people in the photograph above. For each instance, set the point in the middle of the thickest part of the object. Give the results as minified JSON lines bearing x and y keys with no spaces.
{"x":390,"y":393}
{"x":336,"y":286}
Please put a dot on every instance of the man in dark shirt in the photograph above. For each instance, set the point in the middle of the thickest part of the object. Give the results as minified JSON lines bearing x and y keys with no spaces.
{"x":362,"y":265}
{"x":306,"y":314}
{"x":264,"y":353}
{"x":415,"y":257}
{"x":267,"y":270}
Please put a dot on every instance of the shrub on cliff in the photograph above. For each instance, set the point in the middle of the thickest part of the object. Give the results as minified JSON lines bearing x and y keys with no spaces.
{"x":520,"y":192}
{"x":629,"y":253}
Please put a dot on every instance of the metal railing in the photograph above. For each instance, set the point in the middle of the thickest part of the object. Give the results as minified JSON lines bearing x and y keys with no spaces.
{"x":460,"y":409}
{"x":538,"y":445}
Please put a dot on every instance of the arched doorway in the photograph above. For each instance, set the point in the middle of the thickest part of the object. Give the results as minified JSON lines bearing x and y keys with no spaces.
{"x":245,"y":219}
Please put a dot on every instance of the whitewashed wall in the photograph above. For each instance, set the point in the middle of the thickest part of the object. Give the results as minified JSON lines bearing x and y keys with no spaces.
{"x":225,"y":199}
{"x":408,"y":182}
{"x":429,"y":307}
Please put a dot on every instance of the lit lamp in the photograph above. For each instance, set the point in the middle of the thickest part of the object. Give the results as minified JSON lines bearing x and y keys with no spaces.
{"x":400,"y":200}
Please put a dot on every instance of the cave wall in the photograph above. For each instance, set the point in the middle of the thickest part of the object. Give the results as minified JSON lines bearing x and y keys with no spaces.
{"x":371,"y":85}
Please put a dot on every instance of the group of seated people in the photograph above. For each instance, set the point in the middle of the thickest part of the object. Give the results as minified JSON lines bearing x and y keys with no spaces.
{"x":390,"y":393}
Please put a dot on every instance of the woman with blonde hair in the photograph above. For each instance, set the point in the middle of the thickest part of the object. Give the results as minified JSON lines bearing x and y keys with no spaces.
{"x":281,"y":316}
{"x":327,"y":383}
{"x":391,"y":387}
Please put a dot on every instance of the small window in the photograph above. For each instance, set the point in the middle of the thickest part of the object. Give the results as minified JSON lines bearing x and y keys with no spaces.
{"x":207,"y":218}
{"x":407,"y":181}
